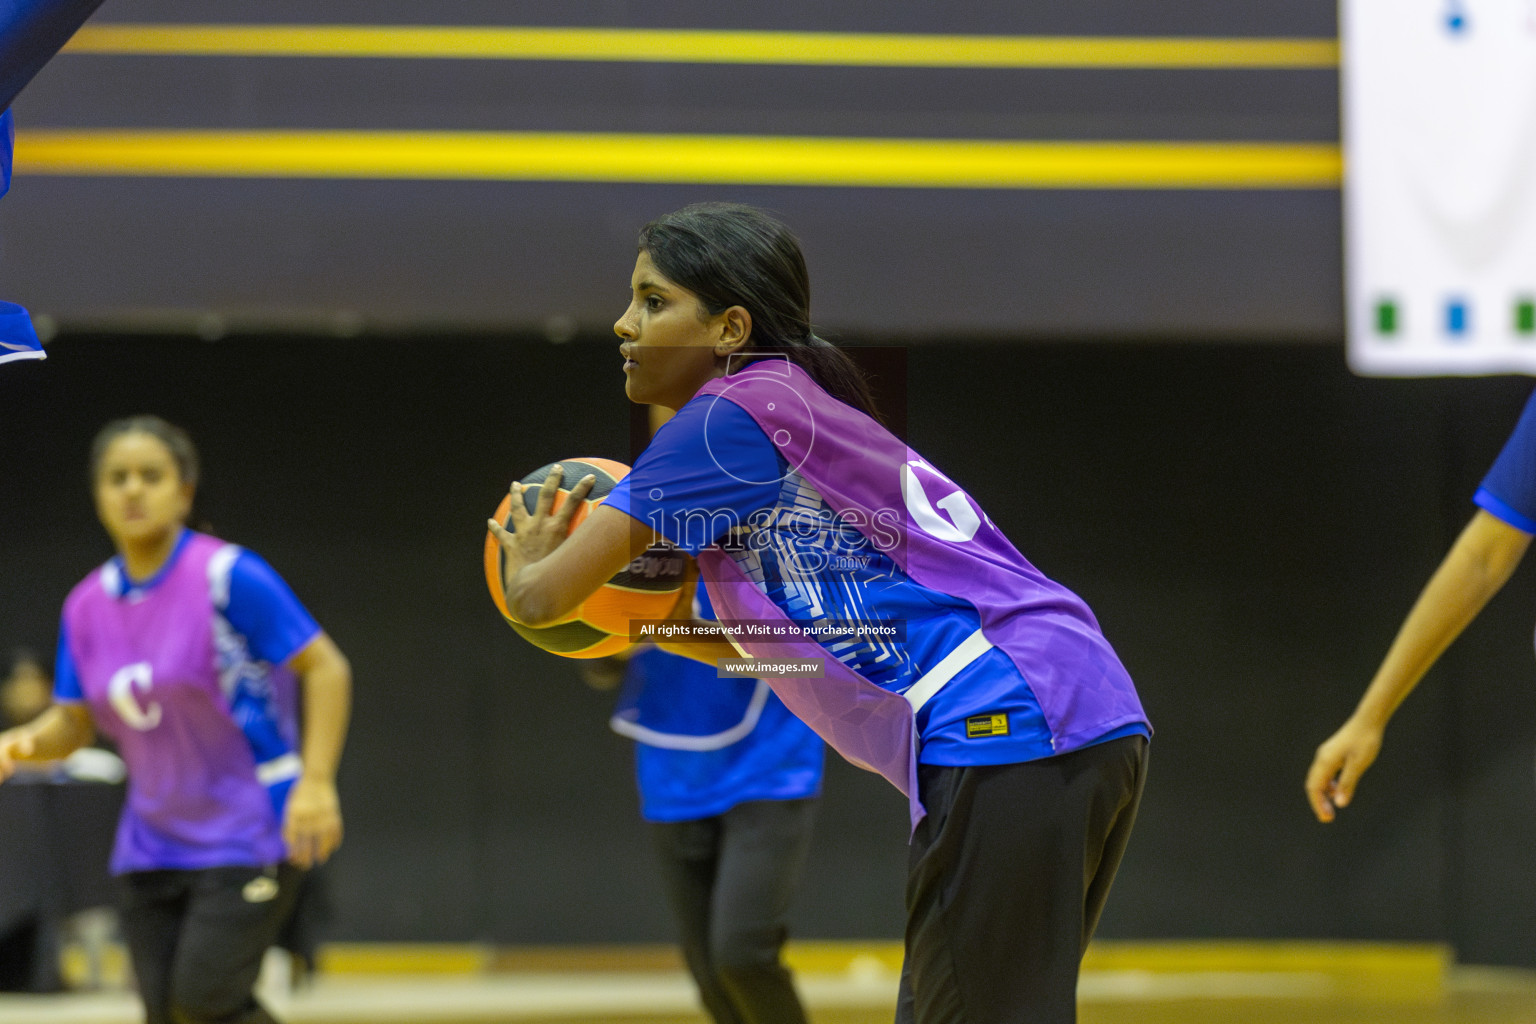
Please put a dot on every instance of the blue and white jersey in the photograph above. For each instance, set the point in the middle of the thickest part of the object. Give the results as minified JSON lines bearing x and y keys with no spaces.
{"x":1509,"y":489}
{"x":711,"y":472}
{"x":704,"y":745}
{"x":257,"y":624}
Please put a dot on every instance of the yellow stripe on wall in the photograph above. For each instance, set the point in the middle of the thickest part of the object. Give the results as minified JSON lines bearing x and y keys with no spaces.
{"x":702,"y":46}
{"x":680,"y":159}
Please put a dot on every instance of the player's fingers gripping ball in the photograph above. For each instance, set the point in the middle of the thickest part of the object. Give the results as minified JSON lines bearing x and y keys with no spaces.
{"x":646,"y":589}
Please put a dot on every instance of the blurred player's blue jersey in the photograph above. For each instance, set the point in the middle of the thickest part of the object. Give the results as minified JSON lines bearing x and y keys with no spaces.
{"x":1509,"y":489}
{"x":18,"y":339}
{"x":704,"y":745}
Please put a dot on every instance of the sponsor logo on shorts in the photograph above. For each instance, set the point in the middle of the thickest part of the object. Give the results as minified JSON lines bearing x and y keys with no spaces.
{"x":986,"y":725}
{"x":260,"y":889}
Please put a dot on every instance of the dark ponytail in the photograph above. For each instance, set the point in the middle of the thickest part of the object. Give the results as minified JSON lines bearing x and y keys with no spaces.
{"x":729,"y":255}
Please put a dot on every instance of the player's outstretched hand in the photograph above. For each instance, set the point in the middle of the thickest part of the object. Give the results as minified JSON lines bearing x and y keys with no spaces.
{"x":15,"y":745}
{"x":1338,"y":765}
{"x":312,"y":824}
{"x":534,"y":535}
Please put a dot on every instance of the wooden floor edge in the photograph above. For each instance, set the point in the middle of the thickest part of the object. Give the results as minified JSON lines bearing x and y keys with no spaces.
{"x":1427,"y":962}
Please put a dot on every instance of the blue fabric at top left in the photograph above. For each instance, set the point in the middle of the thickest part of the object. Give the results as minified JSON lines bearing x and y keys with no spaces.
{"x":18,"y":339}
{"x":31,"y":32}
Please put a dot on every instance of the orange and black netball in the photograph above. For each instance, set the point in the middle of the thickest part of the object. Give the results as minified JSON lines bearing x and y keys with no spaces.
{"x":646,"y":589}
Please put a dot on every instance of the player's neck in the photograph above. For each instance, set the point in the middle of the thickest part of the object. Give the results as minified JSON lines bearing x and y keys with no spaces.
{"x":142,"y":558}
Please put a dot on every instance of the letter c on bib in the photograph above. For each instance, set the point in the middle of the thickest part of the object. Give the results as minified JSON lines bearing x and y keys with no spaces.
{"x":966,"y":521}
{"x":120,"y":690}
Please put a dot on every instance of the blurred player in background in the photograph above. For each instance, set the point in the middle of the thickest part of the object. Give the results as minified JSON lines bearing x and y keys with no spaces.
{"x":728,"y":779}
{"x":187,"y":651}
{"x":1001,"y":700}
{"x":1476,"y":567}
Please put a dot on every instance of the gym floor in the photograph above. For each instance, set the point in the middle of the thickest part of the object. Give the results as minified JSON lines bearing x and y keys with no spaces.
{"x":844,"y":983}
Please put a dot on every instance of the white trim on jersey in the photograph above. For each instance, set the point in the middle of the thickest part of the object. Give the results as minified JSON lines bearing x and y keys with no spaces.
{"x":932,"y":681}
{"x":715,"y":741}
{"x":20,"y":353}
{"x":279,"y":769}
{"x":112,"y":579}
{"x":219,"y":568}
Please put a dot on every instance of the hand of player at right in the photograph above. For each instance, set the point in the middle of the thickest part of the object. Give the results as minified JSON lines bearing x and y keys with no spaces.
{"x":1338,"y":765}
{"x":15,"y":745}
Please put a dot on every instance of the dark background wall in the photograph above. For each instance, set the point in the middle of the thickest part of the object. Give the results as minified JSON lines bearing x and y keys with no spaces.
{"x":173,"y":253}
{"x":1249,"y":522}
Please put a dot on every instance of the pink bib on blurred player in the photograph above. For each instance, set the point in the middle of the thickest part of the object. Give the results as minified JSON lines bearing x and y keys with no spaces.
{"x":149,"y":668}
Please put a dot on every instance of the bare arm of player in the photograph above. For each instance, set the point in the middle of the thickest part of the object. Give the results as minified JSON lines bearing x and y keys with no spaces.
{"x":312,"y":825}
{"x":547,"y":574}
{"x":1478,"y":564}
{"x":57,"y":732}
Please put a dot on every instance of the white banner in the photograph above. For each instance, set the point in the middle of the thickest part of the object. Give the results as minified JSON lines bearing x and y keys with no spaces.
{"x":1439,"y":108}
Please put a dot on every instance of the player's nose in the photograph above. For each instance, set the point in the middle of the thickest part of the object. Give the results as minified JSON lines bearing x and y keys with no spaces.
{"x":624,"y":326}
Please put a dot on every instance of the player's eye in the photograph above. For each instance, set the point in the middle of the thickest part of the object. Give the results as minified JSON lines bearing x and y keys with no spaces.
{"x":653,"y":302}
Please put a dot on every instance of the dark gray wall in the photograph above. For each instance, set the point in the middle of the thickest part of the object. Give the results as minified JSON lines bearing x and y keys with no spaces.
{"x":912,"y":263}
{"x":1249,"y":522}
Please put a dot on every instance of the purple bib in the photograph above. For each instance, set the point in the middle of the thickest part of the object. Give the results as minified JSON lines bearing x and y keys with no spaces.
{"x":149,"y":671}
{"x":940,"y":537}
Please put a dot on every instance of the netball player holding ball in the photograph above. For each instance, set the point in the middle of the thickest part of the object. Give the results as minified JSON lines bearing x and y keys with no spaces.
{"x":980,"y":688}
{"x":188,"y":652}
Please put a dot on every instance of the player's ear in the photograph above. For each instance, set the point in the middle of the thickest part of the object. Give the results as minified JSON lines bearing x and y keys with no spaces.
{"x":735,"y":330}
